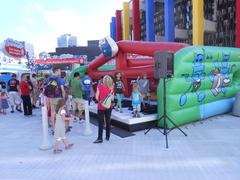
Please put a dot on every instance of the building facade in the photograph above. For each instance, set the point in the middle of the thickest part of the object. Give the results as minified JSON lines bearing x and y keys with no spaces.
{"x":66,"y":40}
{"x":72,"y":41}
{"x":197,"y":22}
{"x":89,"y":52}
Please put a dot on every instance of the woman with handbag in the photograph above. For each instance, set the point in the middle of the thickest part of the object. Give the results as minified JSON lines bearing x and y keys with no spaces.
{"x":104,"y":96}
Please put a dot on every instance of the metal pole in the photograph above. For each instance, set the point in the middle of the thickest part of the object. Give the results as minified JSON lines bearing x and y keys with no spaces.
{"x":165,"y":113}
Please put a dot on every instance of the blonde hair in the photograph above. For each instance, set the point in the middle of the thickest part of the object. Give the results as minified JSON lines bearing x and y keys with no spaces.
{"x":3,"y":93}
{"x":135,"y":85}
{"x":107,"y":81}
{"x":24,"y":77}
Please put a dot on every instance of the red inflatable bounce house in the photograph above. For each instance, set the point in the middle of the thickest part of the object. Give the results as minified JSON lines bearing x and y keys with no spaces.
{"x":133,"y":59}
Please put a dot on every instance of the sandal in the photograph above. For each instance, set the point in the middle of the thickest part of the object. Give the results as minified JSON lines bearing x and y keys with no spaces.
{"x":69,"y":146}
{"x":56,"y":151}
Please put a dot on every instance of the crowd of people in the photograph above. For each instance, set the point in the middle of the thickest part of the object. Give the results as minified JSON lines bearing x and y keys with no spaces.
{"x":15,"y":94}
{"x":66,"y":100}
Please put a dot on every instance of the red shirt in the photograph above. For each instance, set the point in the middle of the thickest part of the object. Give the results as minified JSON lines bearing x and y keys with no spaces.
{"x":103,"y":92}
{"x":24,"y":87}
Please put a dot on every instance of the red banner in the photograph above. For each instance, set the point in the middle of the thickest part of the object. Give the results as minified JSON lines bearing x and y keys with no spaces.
{"x":15,"y":51}
{"x":60,"y":61}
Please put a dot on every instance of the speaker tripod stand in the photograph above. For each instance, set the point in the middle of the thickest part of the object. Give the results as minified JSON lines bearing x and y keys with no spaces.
{"x":165,"y":117}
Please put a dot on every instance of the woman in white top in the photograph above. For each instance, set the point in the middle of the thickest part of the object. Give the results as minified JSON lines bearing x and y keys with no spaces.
{"x":59,"y":131}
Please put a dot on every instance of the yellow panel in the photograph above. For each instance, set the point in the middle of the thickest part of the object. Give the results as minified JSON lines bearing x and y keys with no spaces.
{"x":198,"y":22}
{"x":126,"y":21}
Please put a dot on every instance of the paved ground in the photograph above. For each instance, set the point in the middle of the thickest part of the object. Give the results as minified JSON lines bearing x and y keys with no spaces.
{"x":210,"y":151}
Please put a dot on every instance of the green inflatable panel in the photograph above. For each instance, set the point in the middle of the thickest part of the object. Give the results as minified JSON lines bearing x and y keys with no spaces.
{"x":107,"y":67}
{"x":205,"y":81}
{"x":83,"y":69}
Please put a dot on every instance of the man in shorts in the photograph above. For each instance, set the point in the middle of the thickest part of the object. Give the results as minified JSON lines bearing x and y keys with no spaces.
{"x":14,"y":94}
{"x":77,"y":91}
{"x":61,"y":94}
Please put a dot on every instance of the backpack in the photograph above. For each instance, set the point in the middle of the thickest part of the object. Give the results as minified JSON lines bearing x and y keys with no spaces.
{"x":52,"y":89}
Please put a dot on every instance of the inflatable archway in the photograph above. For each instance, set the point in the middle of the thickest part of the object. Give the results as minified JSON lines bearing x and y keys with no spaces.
{"x":205,"y":82}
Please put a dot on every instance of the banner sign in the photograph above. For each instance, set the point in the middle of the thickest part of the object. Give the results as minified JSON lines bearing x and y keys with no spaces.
{"x":14,"y":48}
{"x":39,"y":67}
{"x":60,"y":61}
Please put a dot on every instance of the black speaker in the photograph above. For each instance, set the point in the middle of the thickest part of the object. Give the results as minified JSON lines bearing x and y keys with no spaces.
{"x":163,"y":65}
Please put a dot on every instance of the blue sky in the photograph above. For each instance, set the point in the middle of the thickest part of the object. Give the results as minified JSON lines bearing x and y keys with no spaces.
{"x":40,"y":22}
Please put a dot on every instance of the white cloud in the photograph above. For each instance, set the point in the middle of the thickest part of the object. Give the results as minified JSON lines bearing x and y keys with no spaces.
{"x":41,"y":25}
{"x":29,"y":21}
{"x":44,"y":43}
{"x":38,"y":6}
{"x":23,"y":30}
{"x":63,"y":20}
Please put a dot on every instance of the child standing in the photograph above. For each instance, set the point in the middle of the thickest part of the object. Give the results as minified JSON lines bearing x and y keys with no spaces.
{"x":59,"y":131}
{"x":136,"y":100}
{"x":41,"y":92}
{"x":144,"y":88}
{"x":119,"y":91}
{"x":3,"y":103}
{"x":41,"y":98}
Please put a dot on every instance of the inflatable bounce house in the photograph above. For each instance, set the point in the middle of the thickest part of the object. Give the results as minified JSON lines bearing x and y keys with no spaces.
{"x":204,"y":82}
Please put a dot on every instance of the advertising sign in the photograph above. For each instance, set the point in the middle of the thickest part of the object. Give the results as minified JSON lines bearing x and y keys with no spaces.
{"x":60,"y":61}
{"x":14,"y":48}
